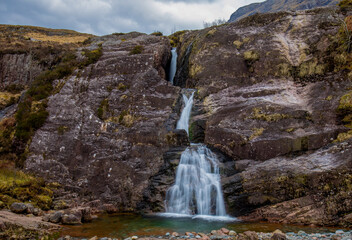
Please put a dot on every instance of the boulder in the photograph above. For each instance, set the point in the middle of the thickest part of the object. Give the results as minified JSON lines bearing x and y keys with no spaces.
{"x":278,"y":235}
{"x":18,"y":207}
{"x":30,"y":208}
{"x":37,"y":212}
{"x":71,"y":219}
{"x":225,"y":230}
{"x":55,"y":217}
{"x":109,"y":208}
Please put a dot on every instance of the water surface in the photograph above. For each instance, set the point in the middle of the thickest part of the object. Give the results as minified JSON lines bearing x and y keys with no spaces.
{"x":125,"y":225}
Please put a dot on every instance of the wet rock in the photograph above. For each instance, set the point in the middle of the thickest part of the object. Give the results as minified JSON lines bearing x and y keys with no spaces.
{"x":55,"y":217}
{"x":232,"y":233}
{"x":225,"y":230}
{"x":248,"y":235}
{"x":109,"y":208}
{"x":86,"y":214}
{"x":71,"y":219}
{"x":336,"y":237}
{"x":18,"y":207}
{"x":175,"y":234}
{"x":278,"y":235}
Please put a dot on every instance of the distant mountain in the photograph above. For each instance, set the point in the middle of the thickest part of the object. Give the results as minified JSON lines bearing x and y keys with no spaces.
{"x":279,"y":5}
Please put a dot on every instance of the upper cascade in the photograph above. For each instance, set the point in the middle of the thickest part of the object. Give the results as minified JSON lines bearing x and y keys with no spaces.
{"x":173,"y":65}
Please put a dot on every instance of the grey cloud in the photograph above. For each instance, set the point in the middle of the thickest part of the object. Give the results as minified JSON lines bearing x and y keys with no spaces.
{"x":102,"y":17}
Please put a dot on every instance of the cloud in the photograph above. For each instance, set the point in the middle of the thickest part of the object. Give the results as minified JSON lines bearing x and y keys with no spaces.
{"x":102,"y":17}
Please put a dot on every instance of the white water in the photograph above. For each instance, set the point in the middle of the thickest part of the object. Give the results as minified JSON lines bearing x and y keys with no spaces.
{"x":197,"y":188}
{"x":183,"y":122}
{"x":173,"y":65}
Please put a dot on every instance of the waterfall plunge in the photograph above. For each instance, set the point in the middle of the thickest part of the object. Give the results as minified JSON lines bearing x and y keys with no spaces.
{"x":197,"y":188}
{"x":173,"y":65}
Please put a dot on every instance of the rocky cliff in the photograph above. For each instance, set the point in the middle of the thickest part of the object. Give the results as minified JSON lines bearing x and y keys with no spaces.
{"x":270,"y":6}
{"x":111,"y":123}
{"x":269,"y":92}
{"x":273,"y":101}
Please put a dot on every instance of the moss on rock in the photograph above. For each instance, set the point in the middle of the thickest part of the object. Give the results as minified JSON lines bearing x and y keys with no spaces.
{"x":17,"y":186}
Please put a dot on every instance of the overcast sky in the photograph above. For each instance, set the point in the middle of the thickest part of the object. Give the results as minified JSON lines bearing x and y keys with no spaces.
{"x":102,"y":17}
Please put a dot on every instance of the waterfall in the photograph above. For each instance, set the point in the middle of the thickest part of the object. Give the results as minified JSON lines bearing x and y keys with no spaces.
{"x":173,"y":65}
{"x":183,"y":122}
{"x":197,"y":188}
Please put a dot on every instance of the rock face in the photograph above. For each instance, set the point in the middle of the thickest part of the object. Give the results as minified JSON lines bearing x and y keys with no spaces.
{"x":268,"y":94}
{"x":279,"y":5}
{"x":109,"y":125}
{"x":19,"y":69}
{"x":24,"y":227}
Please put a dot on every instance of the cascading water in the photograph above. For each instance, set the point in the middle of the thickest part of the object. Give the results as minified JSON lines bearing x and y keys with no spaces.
{"x":197,"y":188}
{"x":173,"y":65}
{"x":183,"y":122}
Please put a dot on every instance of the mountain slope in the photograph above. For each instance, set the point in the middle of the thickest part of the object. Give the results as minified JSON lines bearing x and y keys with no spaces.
{"x":279,"y":5}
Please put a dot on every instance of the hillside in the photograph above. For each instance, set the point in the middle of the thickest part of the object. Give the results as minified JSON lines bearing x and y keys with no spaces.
{"x":95,"y":117}
{"x":279,"y":5}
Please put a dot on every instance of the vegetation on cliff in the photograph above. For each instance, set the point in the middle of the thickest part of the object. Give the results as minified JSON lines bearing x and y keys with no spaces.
{"x":17,"y":186}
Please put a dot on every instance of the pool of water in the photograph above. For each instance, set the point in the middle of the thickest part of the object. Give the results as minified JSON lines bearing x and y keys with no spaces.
{"x":125,"y":225}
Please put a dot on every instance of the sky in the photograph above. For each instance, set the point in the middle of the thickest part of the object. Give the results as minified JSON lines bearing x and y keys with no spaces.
{"x":101,"y":17}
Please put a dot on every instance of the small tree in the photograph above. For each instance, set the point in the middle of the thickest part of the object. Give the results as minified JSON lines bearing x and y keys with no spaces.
{"x":216,"y":22}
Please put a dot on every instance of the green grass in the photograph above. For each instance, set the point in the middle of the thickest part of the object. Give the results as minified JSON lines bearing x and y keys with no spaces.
{"x":137,"y":50}
{"x":17,"y":186}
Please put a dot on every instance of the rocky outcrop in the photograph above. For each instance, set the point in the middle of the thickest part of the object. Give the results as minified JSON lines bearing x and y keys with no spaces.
{"x":108,"y":126}
{"x":14,"y":226}
{"x":279,"y":5}
{"x":268,"y":93}
{"x":18,"y":69}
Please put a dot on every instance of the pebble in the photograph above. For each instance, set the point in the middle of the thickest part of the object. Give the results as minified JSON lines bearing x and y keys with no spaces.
{"x":301,"y":235}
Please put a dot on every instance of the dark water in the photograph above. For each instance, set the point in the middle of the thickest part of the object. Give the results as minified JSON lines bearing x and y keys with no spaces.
{"x":125,"y":225}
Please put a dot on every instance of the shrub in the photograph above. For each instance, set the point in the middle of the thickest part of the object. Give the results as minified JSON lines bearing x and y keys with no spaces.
{"x":103,"y":109}
{"x":345,"y":4}
{"x":91,"y":56}
{"x":157,"y":33}
{"x":14,"y":88}
{"x":137,"y":50}
{"x":28,"y":121}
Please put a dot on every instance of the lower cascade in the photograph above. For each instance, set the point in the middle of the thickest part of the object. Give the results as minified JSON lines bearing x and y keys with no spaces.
{"x":197,"y":188}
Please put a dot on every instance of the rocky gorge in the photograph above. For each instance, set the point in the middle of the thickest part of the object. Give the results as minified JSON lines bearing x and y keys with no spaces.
{"x":273,"y":101}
